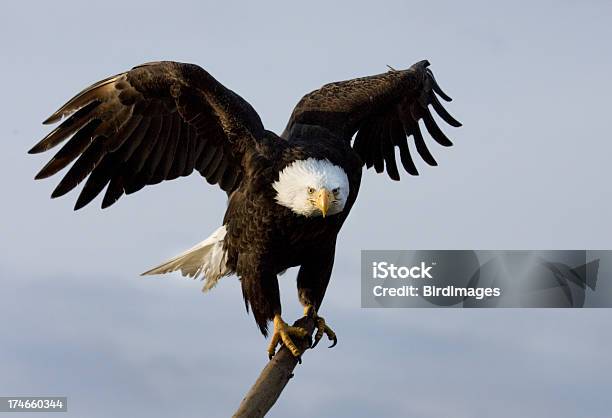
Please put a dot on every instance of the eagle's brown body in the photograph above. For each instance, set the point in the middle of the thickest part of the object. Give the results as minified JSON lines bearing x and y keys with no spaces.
{"x":164,"y":120}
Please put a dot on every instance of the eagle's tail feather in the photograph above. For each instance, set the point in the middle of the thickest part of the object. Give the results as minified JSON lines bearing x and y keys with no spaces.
{"x":207,"y":258}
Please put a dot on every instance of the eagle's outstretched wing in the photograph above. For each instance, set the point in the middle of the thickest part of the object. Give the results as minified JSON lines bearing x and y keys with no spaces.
{"x":155,"y":122}
{"x":384,"y":110}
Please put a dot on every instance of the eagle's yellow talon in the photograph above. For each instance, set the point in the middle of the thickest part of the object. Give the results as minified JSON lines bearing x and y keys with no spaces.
{"x":322,"y":327}
{"x":282,"y":333}
{"x":331,"y":335}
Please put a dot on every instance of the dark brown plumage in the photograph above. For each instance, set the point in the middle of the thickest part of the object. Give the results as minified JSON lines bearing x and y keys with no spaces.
{"x":157,"y":122}
{"x":163,"y":120}
{"x":384,"y":110}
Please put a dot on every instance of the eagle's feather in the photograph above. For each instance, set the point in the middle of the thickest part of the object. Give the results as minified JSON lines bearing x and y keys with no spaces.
{"x":384,"y":110}
{"x":163,"y":120}
{"x":155,"y":122}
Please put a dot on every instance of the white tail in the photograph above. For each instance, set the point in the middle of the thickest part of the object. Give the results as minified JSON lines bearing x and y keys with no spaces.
{"x":207,"y":257}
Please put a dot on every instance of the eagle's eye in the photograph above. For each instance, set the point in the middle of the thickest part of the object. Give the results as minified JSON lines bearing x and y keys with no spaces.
{"x":311,"y":190}
{"x":336,"y":191}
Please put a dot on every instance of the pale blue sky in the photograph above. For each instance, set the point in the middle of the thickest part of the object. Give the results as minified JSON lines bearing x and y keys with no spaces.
{"x":530,"y":170}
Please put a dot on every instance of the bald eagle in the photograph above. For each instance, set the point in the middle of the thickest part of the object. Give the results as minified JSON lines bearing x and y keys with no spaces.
{"x":288,"y":195}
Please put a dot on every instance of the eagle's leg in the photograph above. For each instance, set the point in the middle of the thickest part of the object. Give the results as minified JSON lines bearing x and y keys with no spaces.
{"x":322,"y":327}
{"x":282,"y":333}
{"x":312,"y":281}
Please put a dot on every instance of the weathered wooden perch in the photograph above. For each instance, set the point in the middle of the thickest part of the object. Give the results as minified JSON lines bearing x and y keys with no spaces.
{"x":274,"y":377}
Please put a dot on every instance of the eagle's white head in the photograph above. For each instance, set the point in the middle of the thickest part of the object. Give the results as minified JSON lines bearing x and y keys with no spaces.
{"x":312,"y":187}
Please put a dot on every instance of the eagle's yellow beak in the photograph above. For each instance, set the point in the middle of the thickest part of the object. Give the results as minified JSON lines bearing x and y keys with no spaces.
{"x":323,"y":198}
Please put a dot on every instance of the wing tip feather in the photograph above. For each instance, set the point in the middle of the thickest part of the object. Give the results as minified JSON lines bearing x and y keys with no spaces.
{"x":36,"y":149}
{"x":57,"y":192}
{"x":55,"y":117}
{"x":81,"y":203}
{"x":41,"y":175}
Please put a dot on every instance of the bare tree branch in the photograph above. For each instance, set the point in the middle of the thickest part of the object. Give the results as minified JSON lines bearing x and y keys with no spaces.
{"x":274,"y":377}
